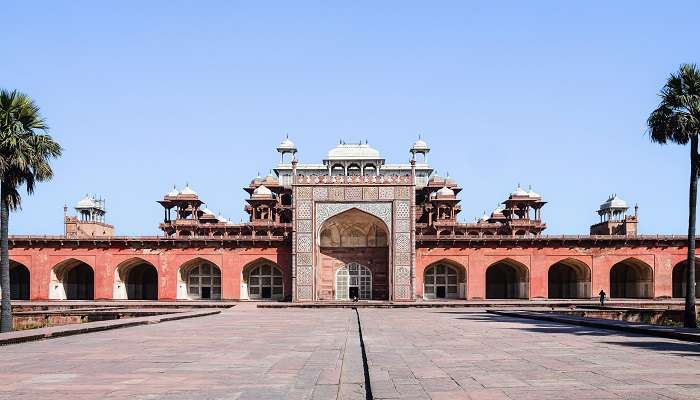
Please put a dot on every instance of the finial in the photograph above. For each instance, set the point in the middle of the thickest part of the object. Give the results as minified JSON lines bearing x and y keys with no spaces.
{"x":419,"y":136}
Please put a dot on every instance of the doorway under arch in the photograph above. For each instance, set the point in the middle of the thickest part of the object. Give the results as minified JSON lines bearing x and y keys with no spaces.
{"x":353,"y":281}
{"x":507,"y":279}
{"x":569,"y":279}
{"x":631,"y":278}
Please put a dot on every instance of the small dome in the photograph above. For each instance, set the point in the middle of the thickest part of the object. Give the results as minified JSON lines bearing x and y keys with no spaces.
{"x":354,"y":151}
{"x":519,"y":192}
{"x":262,"y":190}
{"x":286,"y":145}
{"x":484,"y":217}
{"x":420,"y":145}
{"x":533,"y":195}
{"x":86,"y":202}
{"x":173,"y":192}
{"x":208,"y":211}
{"x":188,"y":191}
{"x":445,"y":191}
{"x":614,"y":202}
{"x":221,"y":218}
{"x":499,"y":209}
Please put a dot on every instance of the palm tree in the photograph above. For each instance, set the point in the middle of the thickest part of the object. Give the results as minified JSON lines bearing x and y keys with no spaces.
{"x":24,"y":160}
{"x":677,"y":120}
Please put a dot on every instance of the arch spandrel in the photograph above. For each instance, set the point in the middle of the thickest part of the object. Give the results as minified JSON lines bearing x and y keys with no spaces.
{"x":325,"y":211}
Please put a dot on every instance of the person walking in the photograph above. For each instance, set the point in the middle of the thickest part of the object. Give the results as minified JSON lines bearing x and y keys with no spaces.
{"x":602,"y":297}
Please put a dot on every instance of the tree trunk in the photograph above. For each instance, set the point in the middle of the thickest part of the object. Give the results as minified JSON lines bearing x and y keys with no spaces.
{"x":6,"y":315}
{"x":690,"y":317}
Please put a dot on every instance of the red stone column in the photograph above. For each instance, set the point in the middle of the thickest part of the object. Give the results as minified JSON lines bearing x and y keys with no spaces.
{"x":539,"y":274}
{"x":476,"y":274}
{"x":103,"y":285}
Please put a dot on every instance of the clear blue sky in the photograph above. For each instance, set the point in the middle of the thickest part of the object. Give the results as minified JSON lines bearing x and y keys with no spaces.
{"x":143,"y":95}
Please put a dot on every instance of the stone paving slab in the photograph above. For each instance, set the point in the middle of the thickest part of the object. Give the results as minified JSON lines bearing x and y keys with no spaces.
{"x":241,"y":353}
{"x":685,"y":334}
{"x":30,"y":335}
{"x":251,"y":353}
{"x":450,"y":354}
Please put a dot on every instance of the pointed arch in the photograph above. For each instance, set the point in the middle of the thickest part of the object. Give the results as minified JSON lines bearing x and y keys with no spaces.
{"x":444,"y":279}
{"x":262,"y":279}
{"x":631,"y":278}
{"x":72,"y":279}
{"x":135,"y":279}
{"x":199,"y":279}
{"x":507,"y":279}
{"x":569,"y":279}
{"x":19,"y":281}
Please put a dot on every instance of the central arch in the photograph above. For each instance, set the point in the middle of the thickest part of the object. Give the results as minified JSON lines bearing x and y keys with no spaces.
{"x":679,"y":278}
{"x":631,"y":278}
{"x":19,"y":281}
{"x":569,"y":279}
{"x":136,"y":279}
{"x":507,"y":279}
{"x":443,"y":280}
{"x":359,"y":241}
{"x":72,"y":279}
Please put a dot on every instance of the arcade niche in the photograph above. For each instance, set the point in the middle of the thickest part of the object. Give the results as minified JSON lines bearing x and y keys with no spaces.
{"x":353,"y":257}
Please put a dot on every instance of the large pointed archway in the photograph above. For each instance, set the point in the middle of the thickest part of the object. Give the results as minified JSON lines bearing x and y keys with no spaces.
{"x":262,"y":280}
{"x":199,"y":279}
{"x":347,"y":240}
{"x":569,"y":279}
{"x":507,"y":279}
{"x":72,"y":279}
{"x":631,"y":278}
{"x":136,"y":279}
{"x":444,"y":280}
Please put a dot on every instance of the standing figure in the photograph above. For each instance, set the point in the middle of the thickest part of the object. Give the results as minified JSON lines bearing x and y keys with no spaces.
{"x":602,"y":297}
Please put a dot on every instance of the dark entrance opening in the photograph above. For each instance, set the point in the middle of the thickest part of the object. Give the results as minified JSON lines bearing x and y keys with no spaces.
{"x":440,"y":292}
{"x":142,"y":283}
{"x":19,"y":282}
{"x":266,"y":292}
{"x":79,"y":283}
{"x":354,"y":292}
{"x":506,"y":280}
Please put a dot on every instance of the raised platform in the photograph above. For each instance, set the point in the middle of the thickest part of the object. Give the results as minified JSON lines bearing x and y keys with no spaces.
{"x":684,"y":334}
{"x":625,"y":304}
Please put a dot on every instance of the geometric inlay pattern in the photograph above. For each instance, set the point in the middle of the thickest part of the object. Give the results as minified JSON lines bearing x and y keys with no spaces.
{"x":304,"y":209}
{"x":304,"y":242}
{"x":386,"y":193}
{"x":403,"y":243}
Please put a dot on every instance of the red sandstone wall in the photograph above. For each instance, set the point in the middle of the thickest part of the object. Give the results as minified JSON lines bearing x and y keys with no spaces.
{"x":104,"y":262}
{"x":537,"y":261}
{"x":473,"y":262}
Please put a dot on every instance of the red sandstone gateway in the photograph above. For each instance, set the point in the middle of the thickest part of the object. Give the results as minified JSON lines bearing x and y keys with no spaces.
{"x":349,"y":227}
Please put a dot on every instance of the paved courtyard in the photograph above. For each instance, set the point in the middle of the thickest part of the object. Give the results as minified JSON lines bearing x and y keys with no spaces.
{"x":249,"y":353}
